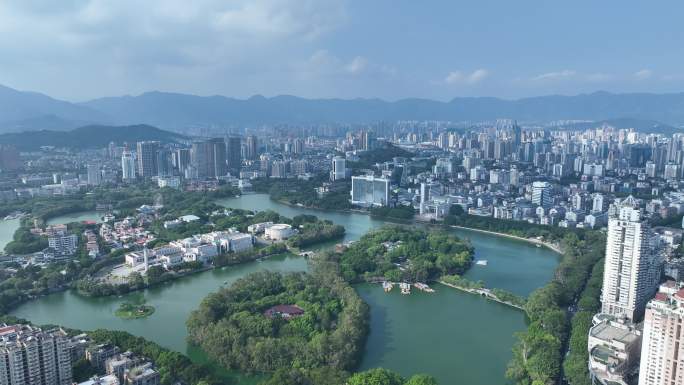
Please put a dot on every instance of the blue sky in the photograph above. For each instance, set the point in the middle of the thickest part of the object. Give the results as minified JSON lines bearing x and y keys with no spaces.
{"x":80,"y":49}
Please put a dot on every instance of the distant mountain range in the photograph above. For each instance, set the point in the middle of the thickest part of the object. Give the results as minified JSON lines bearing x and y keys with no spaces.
{"x":20,"y":110}
{"x":179,"y":112}
{"x":93,"y":136}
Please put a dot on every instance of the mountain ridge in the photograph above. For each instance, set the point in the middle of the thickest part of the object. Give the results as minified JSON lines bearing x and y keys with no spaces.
{"x":181,"y":112}
{"x":21,"y":106}
{"x":91,"y":136}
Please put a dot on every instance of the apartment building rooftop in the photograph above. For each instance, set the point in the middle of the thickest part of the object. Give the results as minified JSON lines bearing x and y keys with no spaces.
{"x":13,"y":334}
{"x":610,"y":331}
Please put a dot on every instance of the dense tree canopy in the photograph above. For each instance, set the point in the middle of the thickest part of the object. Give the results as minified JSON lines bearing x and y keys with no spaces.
{"x":330,"y":376}
{"x":303,"y":192}
{"x":405,"y":254}
{"x":399,"y":212}
{"x":538,"y":354}
{"x":381,"y":376}
{"x":32,"y":281}
{"x":385,"y":153}
{"x":232,"y":328}
{"x":24,"y":242}
{"x":312,"y":231}
{"x":575,"y":363}
{"x":172,"y":366}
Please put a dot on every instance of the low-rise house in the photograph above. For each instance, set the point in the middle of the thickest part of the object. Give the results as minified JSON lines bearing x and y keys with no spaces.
{"x":259,"y":228}
{"x":189,"y":218}
{"x":171,"y":260}
{"x":142,"y":375}
{"x":64,"y":245}
{"x":241,"y":242}
{"x":284,"y":311}
{"x":98,"y":354}
{"x":117,"y":365}
{"x":77,"y":346}
{"x":101,"y":380}
{"x":134,"y":258}
{"x":172,"y":224}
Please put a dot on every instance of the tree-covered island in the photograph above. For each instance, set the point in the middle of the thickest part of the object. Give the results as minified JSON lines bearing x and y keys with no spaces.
{"x":398,"y":253}
{"x":271,"y":321}
{"x":134,"y":309}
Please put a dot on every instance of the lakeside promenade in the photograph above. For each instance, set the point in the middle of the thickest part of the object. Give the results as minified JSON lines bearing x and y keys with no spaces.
{"x":550,"y":246}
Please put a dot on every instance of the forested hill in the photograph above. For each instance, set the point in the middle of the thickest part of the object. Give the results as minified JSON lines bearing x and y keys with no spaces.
{"x":93,"y":136}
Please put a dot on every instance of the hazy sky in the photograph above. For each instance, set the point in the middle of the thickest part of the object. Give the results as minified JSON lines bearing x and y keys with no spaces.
{"x":80,"y":49}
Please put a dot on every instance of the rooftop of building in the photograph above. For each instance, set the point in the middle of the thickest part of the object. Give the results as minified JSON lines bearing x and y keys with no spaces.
{"x":102,"y":347}
{"x":104,"y":380}
{"x":8,"y":329}
{"x":12,"y":334}
{"x":286,"y":311}
{"x":142,"y":371}
{"x":670,"y":296}
{"x":661,"y":297}
{"x":611,"y":331}
{"x":604,"y":355}
{"x":679,"y":295}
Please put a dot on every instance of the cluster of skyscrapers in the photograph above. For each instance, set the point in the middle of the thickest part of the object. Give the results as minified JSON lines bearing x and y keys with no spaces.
{"x":205,"y":159}
{"x":637,"y":337}
{"x":31,"y":356}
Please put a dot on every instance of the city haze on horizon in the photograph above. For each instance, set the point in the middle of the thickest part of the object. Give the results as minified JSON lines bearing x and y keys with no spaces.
{"x":80,"y":50}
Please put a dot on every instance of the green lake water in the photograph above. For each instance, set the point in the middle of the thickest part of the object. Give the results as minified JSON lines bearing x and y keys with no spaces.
{"x":460,"y":338}
{"x":7,"y":229}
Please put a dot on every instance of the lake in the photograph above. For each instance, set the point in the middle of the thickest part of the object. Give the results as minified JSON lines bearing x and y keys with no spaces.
{"x":7,"y":229}
{"x":459,"y":338}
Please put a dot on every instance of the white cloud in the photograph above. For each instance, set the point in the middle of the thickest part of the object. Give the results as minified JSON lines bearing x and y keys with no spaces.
{"x":128,"y":46}
{"x":357,"y":65}
{"x":458,"y":77}
{"x":478,"y":75}
{"x":643,"y":74}
{"x":564,"y":74}
{"x":322,"y":61}
{"x":163,"y":20}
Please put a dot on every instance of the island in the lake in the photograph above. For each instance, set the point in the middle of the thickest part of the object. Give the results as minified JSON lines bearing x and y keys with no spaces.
{"x":132,"y":310}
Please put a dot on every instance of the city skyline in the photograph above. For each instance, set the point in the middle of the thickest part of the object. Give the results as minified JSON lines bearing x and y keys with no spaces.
{"x":174,"y":205}
{"x":307,"y":192}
